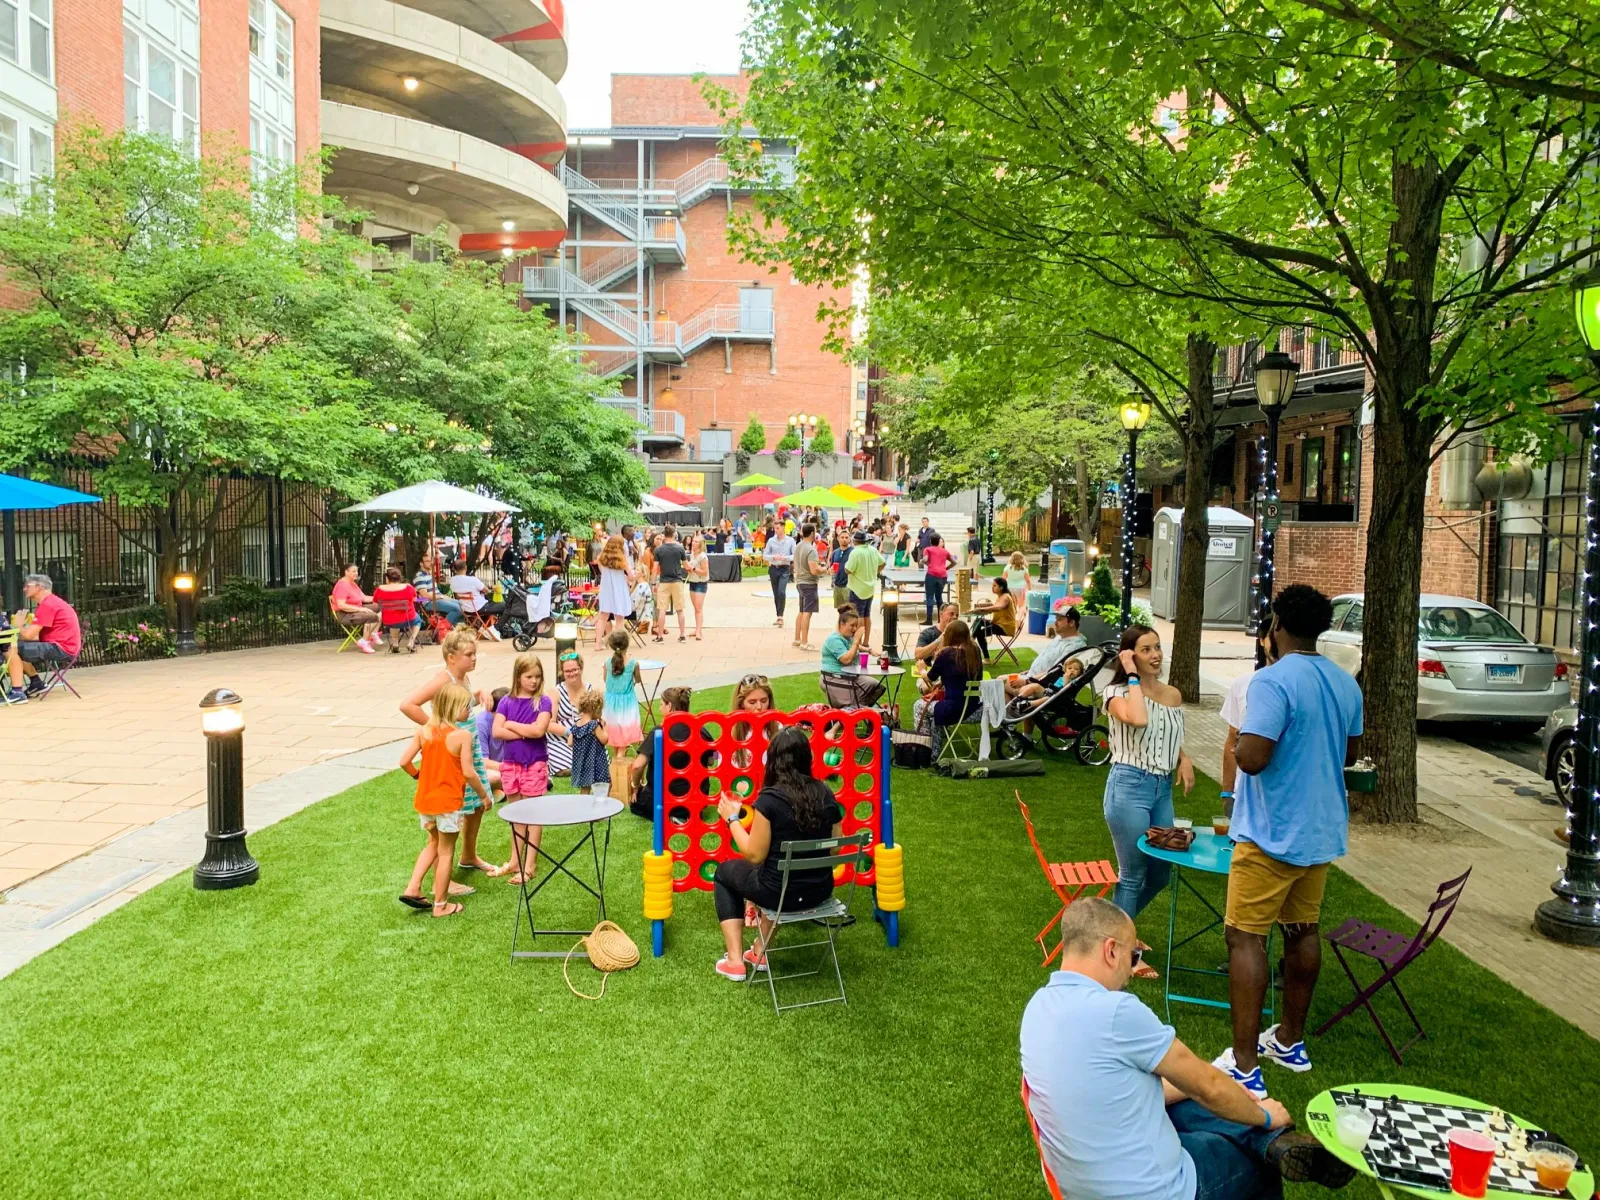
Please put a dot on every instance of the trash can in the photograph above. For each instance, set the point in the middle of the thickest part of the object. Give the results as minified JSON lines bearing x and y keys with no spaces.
{"x":1038,"y":611}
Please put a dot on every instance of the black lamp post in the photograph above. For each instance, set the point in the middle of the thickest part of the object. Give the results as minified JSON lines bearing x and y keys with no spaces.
{"x":227,"y":862}
{"x":1275,"y":374}
{"x":988,"y":520}
{"x":183,"y":595}
{"x":1573,"y":914}
{"x":805,"y":426}
{"x":890,"y":602}
{"x":1135,"y":416}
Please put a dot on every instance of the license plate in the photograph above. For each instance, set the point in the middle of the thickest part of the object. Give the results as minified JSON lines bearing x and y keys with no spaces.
{"x":1499,"y":672}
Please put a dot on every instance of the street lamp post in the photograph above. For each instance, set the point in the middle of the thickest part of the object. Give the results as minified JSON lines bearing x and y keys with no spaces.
{"x":1274,"y":379}
{"x":227,"y":862}
{"x":891,"y":622}
{"x":988,"y":521}
{"x":805,"y":424}
{"x":1572,"y":915}
{"x":183,"y":597}
{"x":1135,"y":416}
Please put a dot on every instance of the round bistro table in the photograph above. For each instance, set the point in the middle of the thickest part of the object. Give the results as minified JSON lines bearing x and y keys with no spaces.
{"x":563,"y":809}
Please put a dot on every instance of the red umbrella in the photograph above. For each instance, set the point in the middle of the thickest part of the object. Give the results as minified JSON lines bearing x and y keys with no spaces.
{"x":755,"y":497}
{"x":675,"y":497}
{"x":877,"y":488}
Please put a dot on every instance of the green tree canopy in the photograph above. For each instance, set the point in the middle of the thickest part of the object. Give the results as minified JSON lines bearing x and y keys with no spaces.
{"x":754,"y":438}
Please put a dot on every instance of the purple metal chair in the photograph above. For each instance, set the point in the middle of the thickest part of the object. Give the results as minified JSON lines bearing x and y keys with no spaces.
{"x":1395,"y":952}
{"x":58,"y":677}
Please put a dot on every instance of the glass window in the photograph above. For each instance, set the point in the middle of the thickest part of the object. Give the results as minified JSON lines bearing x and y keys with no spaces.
{"x":1340,"y":608}
{"x":271,"y":87}
{"x":1458,"y":623}
{"x":1311,"y":471}
{"x":162,"y":115}
{"x":8,"y":150}
{"x":1355,"y":619}
{"x":258,"y":28}
{"x":41,"y":155}
{"x":8,"y":30}
{"x":714,"y":443}
{"x":132,"y":56}
{"x":39,"y":37}
{"x":1346,"y":464}
{"x":283,"y":48}
{"x":161,"y":78}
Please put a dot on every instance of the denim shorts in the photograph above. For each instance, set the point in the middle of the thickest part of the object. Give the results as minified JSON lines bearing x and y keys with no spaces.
{"x":699,"y":588}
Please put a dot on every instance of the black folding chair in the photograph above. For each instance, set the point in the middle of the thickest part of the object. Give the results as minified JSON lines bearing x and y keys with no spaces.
{"x":832,"y":914}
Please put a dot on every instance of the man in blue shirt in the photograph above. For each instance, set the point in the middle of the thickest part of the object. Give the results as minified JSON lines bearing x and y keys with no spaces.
{"x":1291,"y":816}
{"x":1128,"y":1112}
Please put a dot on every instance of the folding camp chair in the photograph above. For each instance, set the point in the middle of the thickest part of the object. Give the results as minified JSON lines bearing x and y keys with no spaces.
{"x":967,"y":725}
{"x":1005,"y":643}
{"x":819,"y":854}
{"x":351,"y":632}
{"x":1069,"y":880}
{"x":470,"y":617}
{"x":851,"y":691}
{"x":1033,"y":1125}
{"x":55,"y":675}
{"x":1395,"y":952}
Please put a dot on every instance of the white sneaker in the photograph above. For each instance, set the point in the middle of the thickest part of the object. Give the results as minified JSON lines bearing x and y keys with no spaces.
{"x":364,"y":646}
{"x":1250,"y":1081}
{"x":1293,"y":1057}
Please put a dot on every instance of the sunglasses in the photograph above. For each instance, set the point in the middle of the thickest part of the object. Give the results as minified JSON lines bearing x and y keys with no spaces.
{"x":749,"y":679}
{"x":568,"y":656}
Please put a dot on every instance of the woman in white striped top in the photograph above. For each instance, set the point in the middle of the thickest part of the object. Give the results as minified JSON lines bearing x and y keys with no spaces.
{"x":1146,"y":723}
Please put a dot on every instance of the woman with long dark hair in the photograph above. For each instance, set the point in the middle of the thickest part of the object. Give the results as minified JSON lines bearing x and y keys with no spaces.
{"x":952,"y":669}
{"x":1146,"y":726}
{"x":793,"y":806}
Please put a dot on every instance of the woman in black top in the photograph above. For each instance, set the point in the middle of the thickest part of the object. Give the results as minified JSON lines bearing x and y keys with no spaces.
{"x":792,"y":806}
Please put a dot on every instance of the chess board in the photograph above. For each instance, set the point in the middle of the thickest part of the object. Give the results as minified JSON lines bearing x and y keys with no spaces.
{"x":1408,"y":1147}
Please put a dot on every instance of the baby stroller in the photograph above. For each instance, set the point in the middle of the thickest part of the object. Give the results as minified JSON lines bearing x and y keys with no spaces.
{"x":528,"y":614}
{"x":644,"y":611}
{"x":1064,"y":718}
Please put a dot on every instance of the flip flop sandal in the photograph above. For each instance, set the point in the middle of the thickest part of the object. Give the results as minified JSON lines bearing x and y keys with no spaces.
{"x":1145,"y":971}
{"x":446,"y":910}
{"x":461,"y":889}
{"x":418,"y":902}
{"x":468,"y":867}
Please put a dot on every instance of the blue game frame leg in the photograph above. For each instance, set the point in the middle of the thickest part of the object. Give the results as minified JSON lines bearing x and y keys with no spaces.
{"x":889,"y":920}
{"x":657,"y":833}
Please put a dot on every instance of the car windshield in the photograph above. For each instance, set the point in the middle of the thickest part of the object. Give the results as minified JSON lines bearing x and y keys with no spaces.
{"x":1457,"y":623}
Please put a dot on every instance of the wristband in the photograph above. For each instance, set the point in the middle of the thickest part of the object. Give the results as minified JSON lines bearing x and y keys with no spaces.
{"x":1266,"y":1119}
{"x":1133,"y":681}
{"x":1225,"y":795}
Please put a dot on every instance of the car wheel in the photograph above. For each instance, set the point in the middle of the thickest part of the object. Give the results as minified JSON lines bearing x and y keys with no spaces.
{"x":1565,"y":771}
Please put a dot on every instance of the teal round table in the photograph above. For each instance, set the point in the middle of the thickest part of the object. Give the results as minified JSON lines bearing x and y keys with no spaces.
{"x":1209,"y":855}
{"x":1319,"y":1123}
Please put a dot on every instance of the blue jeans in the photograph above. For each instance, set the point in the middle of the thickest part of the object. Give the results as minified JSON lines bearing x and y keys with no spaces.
{"x":933,"y":593}
{"x":1134,"y":801}
{"x":779,"y":578}
{"x":1229,"y":1159}
{"x":448,"y":609}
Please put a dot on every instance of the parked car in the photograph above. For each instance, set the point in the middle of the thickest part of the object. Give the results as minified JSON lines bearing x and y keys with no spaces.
{"x":1472,"y":664}
{"x":1557,"y":758}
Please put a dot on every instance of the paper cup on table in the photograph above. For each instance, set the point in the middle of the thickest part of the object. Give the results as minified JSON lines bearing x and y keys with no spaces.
{"x":1353,"y":1126}
{"x":1471,"y":1156}
{"x":1554,"y":1164}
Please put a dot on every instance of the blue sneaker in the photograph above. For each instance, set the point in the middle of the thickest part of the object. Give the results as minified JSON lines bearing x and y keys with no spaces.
{"x":1293,"y":1057}
{"x":15,"y":696}
{"x":1250,"y":1081}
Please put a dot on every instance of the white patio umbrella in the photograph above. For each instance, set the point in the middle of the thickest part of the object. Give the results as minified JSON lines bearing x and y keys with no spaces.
{"x":654,"y":505}
{"x":433,"y":497}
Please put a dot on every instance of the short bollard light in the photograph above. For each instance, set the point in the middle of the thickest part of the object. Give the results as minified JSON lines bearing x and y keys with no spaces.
{"x":891,"y":622}
{"x":227,"y":862}
{"x":183,"y":594}
{"x":566,"y":636}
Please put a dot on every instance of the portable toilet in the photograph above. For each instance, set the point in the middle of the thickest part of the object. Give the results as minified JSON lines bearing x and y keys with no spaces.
{"x":1068,"y":568}
{"x":1228,"y":554}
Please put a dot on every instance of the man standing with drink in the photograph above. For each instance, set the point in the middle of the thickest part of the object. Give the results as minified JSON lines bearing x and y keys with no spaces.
{"x":808,"y":572}
{"x":1291,"y":818}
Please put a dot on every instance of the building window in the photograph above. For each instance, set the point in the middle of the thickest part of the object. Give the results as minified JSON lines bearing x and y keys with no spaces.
{"x":1539,"y":571}
{"x":161,"y":69}
{"x":39,"y":38}
{"x":272,"y":130}
{"x":25,"y":35}
{"x":8,"y":31}
{"x":715,"y":443}
{"x":8,"y":150}
{"x":1346,"y":464}
{"x":1311,"y":470}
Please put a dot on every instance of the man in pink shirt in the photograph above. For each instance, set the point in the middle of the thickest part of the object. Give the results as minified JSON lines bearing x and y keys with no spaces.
{"x":51,"y":639}
{"x":352,"y":606}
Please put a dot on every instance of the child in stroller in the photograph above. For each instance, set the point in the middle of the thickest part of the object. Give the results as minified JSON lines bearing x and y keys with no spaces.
{"x":1056,"y":706}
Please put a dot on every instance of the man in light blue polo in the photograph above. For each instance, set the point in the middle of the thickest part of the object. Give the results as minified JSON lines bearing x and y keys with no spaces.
{"x":1128,"y":1112}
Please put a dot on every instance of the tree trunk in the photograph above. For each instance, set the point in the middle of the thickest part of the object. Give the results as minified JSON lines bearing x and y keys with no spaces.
{"x":1087,"y":506}
{"x":1403,"y":313}
{"x":1184,"y":672}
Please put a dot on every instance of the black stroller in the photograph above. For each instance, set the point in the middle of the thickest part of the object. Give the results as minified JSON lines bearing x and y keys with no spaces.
{"x":528,"y":618}
{"x":1065,"y":717}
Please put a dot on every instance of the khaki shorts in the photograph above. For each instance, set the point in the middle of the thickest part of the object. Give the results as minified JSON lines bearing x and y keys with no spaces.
{"x":674,"y":593}
{"x":1263,"y":892}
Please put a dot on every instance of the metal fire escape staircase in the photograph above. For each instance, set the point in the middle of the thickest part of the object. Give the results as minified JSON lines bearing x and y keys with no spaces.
{"x":623,"y":338}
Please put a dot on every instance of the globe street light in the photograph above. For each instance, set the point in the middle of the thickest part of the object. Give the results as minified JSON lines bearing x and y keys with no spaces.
{"x":227,"y":862}
{"x":1573,"y":914}
{"x":1135,"y":416}
{"x":183,"y":596}
{"x":805,"y":424}
{"x":1275,"y":375}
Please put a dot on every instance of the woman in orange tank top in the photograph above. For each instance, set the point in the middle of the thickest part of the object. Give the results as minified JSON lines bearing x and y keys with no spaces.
{"x":442,"y":780}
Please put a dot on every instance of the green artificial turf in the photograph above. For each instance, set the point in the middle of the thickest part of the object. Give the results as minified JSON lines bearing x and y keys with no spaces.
{"x":310,"y":1037}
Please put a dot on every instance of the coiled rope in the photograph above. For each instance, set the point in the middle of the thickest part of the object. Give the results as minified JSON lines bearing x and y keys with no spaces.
{"x":610,"y":949}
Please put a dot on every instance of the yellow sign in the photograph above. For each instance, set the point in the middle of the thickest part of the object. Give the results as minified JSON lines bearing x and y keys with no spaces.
{"x":689,"y":483}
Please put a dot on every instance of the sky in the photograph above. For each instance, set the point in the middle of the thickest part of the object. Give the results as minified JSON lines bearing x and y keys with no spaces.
{"x":663,"y":37}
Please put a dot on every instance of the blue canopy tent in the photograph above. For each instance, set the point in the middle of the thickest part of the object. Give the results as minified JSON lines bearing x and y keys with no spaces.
{"x":17,"y":494}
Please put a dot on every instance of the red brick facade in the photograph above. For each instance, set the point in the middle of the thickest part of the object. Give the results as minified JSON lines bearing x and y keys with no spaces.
{"x":89,"y":62}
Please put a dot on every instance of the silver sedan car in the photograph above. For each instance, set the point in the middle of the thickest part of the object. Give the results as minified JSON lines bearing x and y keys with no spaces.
{"x":1557,"y":759}
{"x":1472,"y":664}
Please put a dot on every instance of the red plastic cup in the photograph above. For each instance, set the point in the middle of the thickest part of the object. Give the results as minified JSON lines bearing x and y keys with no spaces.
{"x":1471,"y":1157}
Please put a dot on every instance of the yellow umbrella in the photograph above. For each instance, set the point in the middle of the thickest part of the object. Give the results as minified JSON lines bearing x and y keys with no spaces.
{"x":852,"y":495}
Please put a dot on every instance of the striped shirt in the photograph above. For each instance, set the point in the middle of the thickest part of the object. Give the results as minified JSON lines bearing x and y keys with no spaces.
{"x":1153,"y":747}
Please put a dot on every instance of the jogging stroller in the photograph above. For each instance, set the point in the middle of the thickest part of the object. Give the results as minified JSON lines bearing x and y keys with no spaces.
{"x":528,"y":615}
{"x":1065,"y":718}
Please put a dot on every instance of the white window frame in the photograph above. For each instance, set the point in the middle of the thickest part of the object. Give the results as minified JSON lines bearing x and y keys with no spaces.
{"x":21,"y":164}
{"x":271,"y":54}
{"x":143,"y":42}
{"x":11,"y":16}
{"x":38,"y":17}
{"x":12,"y":141}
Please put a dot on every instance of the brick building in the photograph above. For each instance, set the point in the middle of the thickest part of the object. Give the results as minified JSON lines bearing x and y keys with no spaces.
{"x":700,"y":339}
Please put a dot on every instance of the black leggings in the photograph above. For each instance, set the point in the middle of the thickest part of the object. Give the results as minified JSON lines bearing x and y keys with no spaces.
{"x":737,"y":881}
{"x":980,"y":634}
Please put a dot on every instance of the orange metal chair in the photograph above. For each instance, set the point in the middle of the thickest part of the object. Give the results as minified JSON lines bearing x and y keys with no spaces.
{"x":1069,"y":881}
{"x":1044,"y":1167}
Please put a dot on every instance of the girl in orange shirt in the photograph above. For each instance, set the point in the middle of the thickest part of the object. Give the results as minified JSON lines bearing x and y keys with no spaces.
{"x":442,"y":781}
